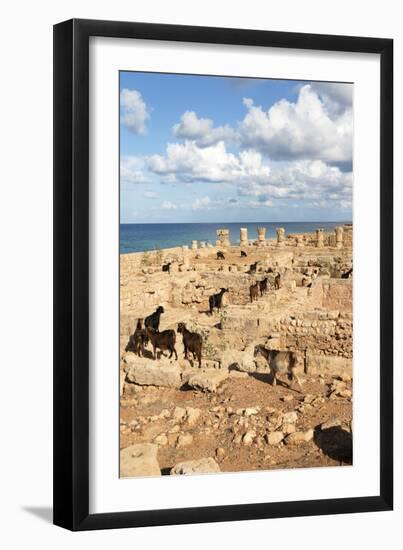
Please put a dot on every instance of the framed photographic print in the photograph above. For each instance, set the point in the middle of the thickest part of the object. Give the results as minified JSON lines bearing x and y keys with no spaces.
{"x":223,"y":274}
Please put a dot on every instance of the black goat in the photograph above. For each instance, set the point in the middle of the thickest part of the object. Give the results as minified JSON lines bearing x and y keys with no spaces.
{"x":252,"y":268}
{"x":220,"y":255}
{"x":347,"y":274}
{"x":243,"y":254}
{"x":263,"y":286}
{"x":192,"y":342}
{"x":166,"y":267}
{"x":138,"y":340}
{"x":164,"y":340}
{"x":215,"y":301}
{"x":153,"y":320}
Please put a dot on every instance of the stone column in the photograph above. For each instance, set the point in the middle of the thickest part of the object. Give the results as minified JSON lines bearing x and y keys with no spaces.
{"x":339,"y":237}
{"x":280,"y":236}
{"x":299,"y":241}
{"x":243,"y":236}
{"x":223,"y":237}
{"x":194,"y":245}
{"x":261,"y":235}
{"x":185,"y":255}
{"x":320,"y":238}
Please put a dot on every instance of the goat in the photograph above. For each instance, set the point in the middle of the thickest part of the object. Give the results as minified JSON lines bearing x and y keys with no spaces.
{"x":252,"y":268}
{"x":192,"y":342}
{"x":138,"y":340}
{"x":243,"y":254}
{"x":347,"y":274}
{"x":254,"y":291}
{"x":279,"y":362}
{"x":263,"y":286}
{"x":153,"y":320}
{"x":277,"y":282}
{"x":164,"y":340}
{"x":166,"y":267}
{"x":220,"y":255}
{"x":215,"y":301}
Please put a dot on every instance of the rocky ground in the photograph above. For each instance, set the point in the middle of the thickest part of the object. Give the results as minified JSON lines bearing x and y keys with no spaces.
{"x":227,"y":416}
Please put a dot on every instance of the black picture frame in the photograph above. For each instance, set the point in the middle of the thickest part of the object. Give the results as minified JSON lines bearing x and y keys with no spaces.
{"x":71,"y":274}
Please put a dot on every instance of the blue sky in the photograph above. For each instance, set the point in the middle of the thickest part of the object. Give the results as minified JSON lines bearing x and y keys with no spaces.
{"x":202,"y":148}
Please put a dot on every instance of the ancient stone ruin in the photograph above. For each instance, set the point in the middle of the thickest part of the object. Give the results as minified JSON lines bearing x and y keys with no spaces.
{"x":228,"y":415}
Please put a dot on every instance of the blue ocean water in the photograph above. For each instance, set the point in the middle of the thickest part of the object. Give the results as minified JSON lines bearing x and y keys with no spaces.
{"x":138,"y":237}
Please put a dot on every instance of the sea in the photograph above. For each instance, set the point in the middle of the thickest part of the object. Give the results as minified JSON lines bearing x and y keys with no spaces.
{"x":141,"y":237}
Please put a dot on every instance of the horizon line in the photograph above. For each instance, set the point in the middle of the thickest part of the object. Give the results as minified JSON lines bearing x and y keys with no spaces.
{"x":262,"y":222}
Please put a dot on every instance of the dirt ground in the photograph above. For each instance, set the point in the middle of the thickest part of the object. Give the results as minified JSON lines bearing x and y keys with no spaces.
{"x":221,"y":421}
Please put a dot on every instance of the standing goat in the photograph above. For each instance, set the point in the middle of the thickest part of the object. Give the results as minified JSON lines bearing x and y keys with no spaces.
{"x":280,"y":362}
{"x":277,"y":282}
{"x":164,"y":340}
{"x":153,"y":320}
{"x":263,"y":286}
{"x":138,"y":340}
{"x":254,"y":291}
{"x":220,"y":255}
{"x":192,"y":342}
{"x":215,"y":301}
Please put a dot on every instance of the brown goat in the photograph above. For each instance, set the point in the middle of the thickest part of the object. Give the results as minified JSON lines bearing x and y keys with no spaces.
{"x":138,"y":340}
{"x":192,"y":342}
{"x":277,"y":282}
{"x":164,"y":340}
{"x":254,"y":291}
{"x":280,"y":362}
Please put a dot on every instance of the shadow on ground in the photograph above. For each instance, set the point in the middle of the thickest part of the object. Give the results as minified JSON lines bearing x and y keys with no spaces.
{"x":336,"y":443}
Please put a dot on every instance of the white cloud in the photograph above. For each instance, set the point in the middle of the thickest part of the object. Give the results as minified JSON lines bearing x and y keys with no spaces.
{"x":201,"y":130}
{"x":307,"y":129}
{"x":301,"y":180}
{"x":188,"y":163}
{"x":251,"y":175}
{"x":132,"y":170}
{"x":168,"y":205}
{"x":134,"y":112}
{"x":151,"y":195}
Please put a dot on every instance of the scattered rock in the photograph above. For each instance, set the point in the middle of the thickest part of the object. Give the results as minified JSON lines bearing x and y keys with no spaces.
{"x":299,"y":438}
{"x":290,"y":417}
{"x":274,"y":438}
{"x":289,"y":428}
{"x":184,"y":440}
{"x":201,"y":466}
{"x":192,"y":416}
{"x":179,"y":414}
{"x":248,"y":437}
{"x":139,"y":460}
{"x":251,"y":411}
{"x":161,"y":440}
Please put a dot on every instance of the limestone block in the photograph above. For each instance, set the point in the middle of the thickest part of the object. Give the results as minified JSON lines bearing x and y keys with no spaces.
{"x":205,"y":380}
{"x":139,"y":460}
{"x":148,"y":374}
{"x":201,"y":466}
